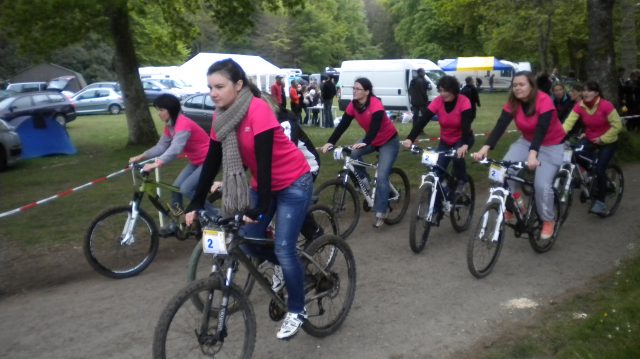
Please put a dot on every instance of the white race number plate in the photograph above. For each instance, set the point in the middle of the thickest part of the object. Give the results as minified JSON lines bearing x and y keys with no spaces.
{"x":497,"y":173}
{"x":213,"y":242}
{"x":430,"y":158}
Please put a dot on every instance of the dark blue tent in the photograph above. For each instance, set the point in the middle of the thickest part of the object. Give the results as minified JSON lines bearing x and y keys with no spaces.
{"x":42,"y":137}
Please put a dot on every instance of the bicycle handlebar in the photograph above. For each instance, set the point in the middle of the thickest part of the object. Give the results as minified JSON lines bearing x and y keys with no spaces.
{"x":509,"y":164}
{"x":415,"y":149}
{"x":219,"y":221}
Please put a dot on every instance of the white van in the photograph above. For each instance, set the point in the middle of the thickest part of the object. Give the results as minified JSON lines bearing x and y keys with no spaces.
{"x":390,"y":79}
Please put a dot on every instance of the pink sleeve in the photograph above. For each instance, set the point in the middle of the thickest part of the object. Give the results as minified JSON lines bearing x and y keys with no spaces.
{"x":261,"y":117}
{"x":506,"y":107}
{"x":349,"y":111}
{"x":435,"y":105}
{"x":545,"y":104}
{"x":464,"y":104}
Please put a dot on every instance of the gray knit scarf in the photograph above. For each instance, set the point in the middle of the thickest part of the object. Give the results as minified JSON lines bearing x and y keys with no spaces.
{"x":235,"y":197}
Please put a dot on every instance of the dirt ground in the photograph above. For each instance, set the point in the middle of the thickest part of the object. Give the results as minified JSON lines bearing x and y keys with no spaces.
{"x":52,"y":305}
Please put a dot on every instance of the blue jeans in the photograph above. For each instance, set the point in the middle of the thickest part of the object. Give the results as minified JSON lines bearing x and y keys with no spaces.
{"x":327,"y":115}
{"x":459,"y":165}
{"x":187,"y":180}
{"x":388,"y":154}
{"x":604,"y":156}
{"x":290,"y":208}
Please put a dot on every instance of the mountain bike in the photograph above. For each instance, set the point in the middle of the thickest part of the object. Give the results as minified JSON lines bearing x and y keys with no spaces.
{"x":579,"y":171}
{"x":225,"y":325}
{"x":437,"y":184}
{"x":122,"y":241}
{"x":200,"y":268}
{"x":341,"y":195}
{"x":486,"y":242}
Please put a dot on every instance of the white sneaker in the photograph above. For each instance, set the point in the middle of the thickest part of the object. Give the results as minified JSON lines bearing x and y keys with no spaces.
{"x":277,"y":280}
{"x":291,"y":324}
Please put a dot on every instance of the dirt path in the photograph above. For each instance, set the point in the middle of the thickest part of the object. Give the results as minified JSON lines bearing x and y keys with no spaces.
{"x":407,"y":305}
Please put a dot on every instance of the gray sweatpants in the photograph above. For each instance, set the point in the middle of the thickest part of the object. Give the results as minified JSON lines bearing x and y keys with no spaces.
{"x":550,"y":158}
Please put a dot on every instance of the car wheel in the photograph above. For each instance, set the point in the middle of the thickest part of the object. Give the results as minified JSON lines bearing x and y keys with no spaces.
{"x":61,"y":119}
{"x":114,"y":109}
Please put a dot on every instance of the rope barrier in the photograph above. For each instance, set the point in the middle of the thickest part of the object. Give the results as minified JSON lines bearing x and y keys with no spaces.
{"x":67,"y":192}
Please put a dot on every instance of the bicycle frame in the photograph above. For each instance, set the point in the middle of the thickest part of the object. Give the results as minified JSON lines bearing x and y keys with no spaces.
{"x":348,"y":172}
{"x":432,"y":179}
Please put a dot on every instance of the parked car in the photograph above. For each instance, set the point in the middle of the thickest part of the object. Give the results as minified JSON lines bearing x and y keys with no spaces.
{"x":27,"y":86}
{"x":153,"y":89}
{"x":10,"y":146}
{"x":200,"y":109}
{"x":44,"y":104}
{"x":177,"y":85}
{"x":98,"y":100}
{"x":6,"y":93}
{"x":62,"y":84}
{"x":108,"y":84}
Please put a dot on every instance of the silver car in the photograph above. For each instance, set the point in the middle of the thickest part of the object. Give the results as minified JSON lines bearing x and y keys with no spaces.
{"x":10,"y":146}
{"x":98,"y":100}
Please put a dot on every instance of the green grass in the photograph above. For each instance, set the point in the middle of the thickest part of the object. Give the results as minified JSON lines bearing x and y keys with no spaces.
{"x":610,"y":330}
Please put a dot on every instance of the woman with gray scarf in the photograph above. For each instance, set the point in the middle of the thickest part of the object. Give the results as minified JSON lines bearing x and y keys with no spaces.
{"x":246,"y":133}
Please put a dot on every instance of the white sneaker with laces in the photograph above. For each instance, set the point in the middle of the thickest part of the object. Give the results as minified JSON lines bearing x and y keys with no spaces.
{"x":277,"y":280}
{"x":291,"y":324}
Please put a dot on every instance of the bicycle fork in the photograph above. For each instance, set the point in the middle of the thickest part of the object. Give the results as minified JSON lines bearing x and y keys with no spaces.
{"x":499,"y":195}
{"x":127,"y":237}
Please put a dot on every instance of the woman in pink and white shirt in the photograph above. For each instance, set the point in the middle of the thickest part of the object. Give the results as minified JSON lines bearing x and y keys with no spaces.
{"x":541,"y":144}
{"x":380,"y":135}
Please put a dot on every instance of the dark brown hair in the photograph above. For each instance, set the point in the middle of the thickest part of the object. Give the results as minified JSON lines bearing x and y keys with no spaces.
{"x":514,"y":103}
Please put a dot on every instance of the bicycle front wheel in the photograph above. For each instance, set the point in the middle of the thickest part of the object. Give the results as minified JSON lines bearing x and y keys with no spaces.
{"x":116,"y":252}
{"x":343,"y":201}
{"x":399,"y":195}
{"x":615,"y":188}
{"x":464,"y":201}
{"x":185,"y":331}
{"x":536,"y":241}
{"x":565,"y":197}
{"x":330,"y":284}
{"x":420,"y":228}
{"x":485,"y":244}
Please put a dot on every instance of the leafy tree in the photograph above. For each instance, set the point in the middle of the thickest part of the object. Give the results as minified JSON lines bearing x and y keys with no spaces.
{"x":41,"y":26}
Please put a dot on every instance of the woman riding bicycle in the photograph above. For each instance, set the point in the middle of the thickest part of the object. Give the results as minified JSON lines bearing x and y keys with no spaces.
{"x":602,"y":125}
{"x":246,"y":133}
{"x":540,"y":145}
{"x":180,"y":135}
{"x":380,"y":136}
{"x":454,"y":116}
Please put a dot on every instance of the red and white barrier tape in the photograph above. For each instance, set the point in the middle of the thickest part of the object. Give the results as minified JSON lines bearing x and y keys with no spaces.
{"x":66,"y":192}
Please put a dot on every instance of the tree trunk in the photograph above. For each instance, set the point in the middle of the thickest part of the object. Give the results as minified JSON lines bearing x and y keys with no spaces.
{"x":142,"y":130}
{"x":601,"y":63}
{"x":628,"y":46}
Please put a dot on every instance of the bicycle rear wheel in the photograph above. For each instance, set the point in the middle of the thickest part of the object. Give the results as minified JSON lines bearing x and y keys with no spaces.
{"x":330,"y":284}
{"x":615,"y":188}
{"x":565,"y":197}
{"x":399,"y":195}
{"x":112,"y":256}
{"x":483,"y":249}
{"x":420,"y":228}
{"x":178,"y":333}
{"x":463,"y":206}
{"x":343,"y":201}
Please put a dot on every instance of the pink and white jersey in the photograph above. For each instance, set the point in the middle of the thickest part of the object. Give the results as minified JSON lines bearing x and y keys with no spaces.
{"x":197,"y":145}
{"x":527,"y":124}
{"x":450,"y":122}
{"x":387,"y":130}
{"x":288,"y":163}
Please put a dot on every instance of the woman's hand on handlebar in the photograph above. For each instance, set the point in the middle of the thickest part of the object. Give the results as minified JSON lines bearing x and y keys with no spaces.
{"x":190,"y":217}
{"x":481,"y":154}
{"x":532,"y":161}
{"x":355,"y":146}
{"x":216,"y":186}
{"x":407,"y":143}
{"x":462,"y":150}
{"x":137,"y":158}
{"x":327,"y":147}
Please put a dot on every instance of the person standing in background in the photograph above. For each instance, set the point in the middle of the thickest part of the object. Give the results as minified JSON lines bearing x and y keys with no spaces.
{"x":277,"y":92}
{"x":472,"y":94}
{"x":328,"y":92}
{"x":418,"y":93}
{"x":294,"y":98}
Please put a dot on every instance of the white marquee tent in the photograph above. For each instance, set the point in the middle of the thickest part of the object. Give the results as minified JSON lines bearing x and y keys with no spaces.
{"x":259,"y":70}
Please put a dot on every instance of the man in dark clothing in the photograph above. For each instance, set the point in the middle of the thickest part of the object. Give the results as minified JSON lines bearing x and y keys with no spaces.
{"x":418,"y":94}
{"x":470,"y":92}
{"x":328,"y":92}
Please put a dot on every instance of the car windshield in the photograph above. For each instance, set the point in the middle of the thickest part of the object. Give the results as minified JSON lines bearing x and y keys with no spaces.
{"x":57,"y":84}
{"x":5,"y":103}
{"x":435,"y":75}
